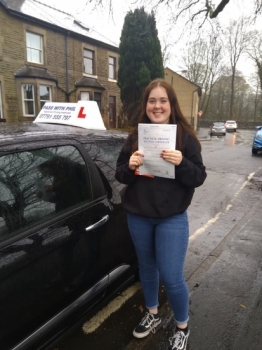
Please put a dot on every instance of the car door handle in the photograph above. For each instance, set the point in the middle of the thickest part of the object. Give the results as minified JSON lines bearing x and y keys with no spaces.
{"x":98,"y":223}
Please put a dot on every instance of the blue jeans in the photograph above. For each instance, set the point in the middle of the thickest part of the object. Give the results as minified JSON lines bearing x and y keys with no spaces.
{"x":161,"y":246}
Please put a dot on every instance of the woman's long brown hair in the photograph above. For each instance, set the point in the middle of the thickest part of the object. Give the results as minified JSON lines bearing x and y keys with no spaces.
{"x":176,"y":116}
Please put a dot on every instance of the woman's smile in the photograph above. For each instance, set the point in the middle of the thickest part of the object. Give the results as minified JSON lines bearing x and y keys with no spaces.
{"x":158,"y":107}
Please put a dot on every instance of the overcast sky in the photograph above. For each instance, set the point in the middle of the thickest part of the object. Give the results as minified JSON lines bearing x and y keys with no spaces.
{"x":111,"y":25}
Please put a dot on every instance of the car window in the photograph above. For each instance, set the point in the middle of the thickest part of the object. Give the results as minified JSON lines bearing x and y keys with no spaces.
{"x":218,"y":124}
{"x":104,"y":153}
{"x":36,"y":185}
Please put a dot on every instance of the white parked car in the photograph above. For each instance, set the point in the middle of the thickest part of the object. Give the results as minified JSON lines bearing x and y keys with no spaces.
{"x":231,"y":125}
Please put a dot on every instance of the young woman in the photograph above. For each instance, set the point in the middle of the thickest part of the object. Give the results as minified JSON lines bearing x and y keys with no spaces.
{"x":156,"y":207}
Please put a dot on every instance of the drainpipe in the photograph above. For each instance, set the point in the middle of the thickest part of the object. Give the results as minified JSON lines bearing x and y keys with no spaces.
{"x":67,"y":75}
{"x":192,"y":107}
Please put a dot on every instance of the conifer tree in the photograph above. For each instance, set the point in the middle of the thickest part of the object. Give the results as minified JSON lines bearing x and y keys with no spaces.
{"x":140,"y":59}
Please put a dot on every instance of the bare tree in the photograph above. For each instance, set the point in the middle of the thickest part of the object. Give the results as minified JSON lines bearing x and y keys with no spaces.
{"x":194,"y":60}
{"x":220,"y":99}
{"x":193,"y":9}
{"x":204,"y":62}
{"x":237,"y":39}
{"x":242,"y":99}
{"x":166,"y":48}
{"x":214,"y":68}
{"x":217,"y":109}
{"x":254,"y":51}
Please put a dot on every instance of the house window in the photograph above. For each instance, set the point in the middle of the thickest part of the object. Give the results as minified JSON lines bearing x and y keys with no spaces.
{"x":45,"y":94}
{"x":89,"y":61}
{"x":28,"y":100}
{"x":34,"y":46}
{"x":97,"y":98}
{"x":84,"y":95}
{"x":112,"y":67}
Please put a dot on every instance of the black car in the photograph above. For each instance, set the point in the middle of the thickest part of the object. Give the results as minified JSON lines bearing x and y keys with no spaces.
{"x":64,"y":241}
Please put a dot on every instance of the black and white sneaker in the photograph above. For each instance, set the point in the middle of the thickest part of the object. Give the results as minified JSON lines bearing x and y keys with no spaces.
{"x":147,"y":325}
{"x":179,"y":340}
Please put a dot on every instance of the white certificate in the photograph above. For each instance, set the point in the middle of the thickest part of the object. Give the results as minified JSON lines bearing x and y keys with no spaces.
{"x":152,"y":140}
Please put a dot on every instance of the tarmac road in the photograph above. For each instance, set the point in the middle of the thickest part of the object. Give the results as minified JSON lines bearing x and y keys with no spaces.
{"x":223,"y":268}
{"x":226,"y":290}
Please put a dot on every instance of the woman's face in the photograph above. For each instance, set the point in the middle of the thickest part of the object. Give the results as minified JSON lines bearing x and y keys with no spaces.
{"x":158,"y":107}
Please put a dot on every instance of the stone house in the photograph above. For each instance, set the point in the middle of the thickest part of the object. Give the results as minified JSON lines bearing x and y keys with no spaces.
{"x":48,"y":55}
{"x":188,"y":95}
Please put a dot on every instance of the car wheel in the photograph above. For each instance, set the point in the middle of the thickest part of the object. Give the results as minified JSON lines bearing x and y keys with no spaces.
{"x":224,"y":134}
{"x":254,"y":151}
{"x":235,"y":130}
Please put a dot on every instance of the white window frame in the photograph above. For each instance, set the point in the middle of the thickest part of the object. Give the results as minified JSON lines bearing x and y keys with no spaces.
{"x":92,"y":59}
{"x":31,"y":49}
{"x":112,"y":68}
{"x":24,"y":100}
{"x":50,"y":94}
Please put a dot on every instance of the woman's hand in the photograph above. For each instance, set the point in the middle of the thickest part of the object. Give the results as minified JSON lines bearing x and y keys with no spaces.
{"x":135,"y":160}
{"x":174,"y":157}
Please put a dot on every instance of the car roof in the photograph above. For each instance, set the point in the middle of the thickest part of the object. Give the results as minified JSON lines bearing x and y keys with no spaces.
{"x":230,"y":121}
{"x":19,"y":132}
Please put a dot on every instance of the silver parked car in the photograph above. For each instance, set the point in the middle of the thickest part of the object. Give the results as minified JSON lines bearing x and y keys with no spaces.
{"x":218,"y":128}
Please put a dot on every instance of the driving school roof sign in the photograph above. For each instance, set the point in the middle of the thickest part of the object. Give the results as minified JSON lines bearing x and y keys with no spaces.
{"x":84,"y":114}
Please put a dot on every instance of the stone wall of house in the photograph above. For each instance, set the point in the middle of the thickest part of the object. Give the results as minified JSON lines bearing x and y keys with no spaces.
{"x":12,"y":58}
{"x":112,"y":88}
{"x":57,"y":48}
{"x":186,"y":94}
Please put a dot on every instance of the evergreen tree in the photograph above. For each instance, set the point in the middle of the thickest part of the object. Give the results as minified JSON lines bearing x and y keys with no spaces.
{"x":140,"y":59}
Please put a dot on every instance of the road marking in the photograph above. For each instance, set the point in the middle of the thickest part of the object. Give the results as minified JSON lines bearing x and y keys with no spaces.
{"x":203,"y":228}
{"x":216,"y":217}
{"x":114,"y":305}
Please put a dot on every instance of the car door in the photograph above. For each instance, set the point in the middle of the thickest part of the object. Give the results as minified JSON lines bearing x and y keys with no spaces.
{"x":104,"y":152}
{"x":56,"y":229}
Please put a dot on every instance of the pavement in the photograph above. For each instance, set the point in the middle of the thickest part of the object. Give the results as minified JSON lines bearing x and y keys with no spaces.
{"x":226,"y":288}
{"x":203,"y":134}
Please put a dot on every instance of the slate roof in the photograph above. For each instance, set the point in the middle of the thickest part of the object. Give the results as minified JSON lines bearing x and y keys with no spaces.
{"x":38,"y":11}
{"x":34,"y":72}
{"x":89,"y":82}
